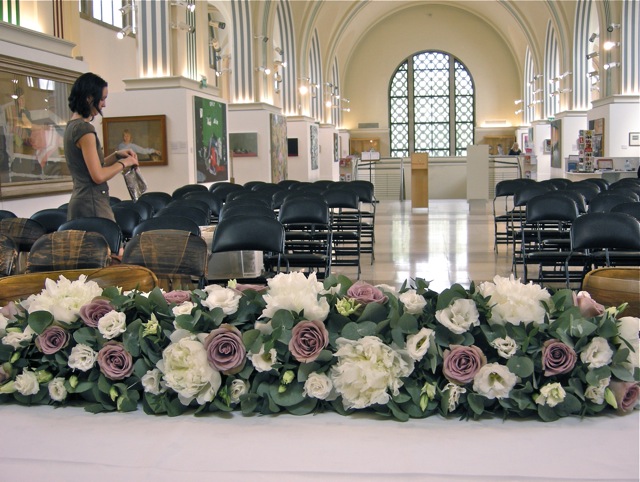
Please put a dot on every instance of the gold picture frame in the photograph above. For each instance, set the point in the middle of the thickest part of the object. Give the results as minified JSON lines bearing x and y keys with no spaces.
{"x":146,"y":135}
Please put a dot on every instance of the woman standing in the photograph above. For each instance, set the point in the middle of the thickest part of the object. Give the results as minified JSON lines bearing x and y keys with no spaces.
{"x":515,"y":150}
{"x":90,"y":169}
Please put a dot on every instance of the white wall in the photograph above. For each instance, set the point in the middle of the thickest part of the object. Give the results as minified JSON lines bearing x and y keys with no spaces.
{"x":258,"y":168}
{"x":621,"y":115}
{"x":300,"y":167}
{"x":328,"y":167}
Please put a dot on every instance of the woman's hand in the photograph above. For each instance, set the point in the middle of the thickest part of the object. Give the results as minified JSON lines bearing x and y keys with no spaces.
{"x":127,"y":157}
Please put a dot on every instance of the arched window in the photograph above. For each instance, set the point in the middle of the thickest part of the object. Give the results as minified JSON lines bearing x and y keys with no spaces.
{"x":431,"y":106}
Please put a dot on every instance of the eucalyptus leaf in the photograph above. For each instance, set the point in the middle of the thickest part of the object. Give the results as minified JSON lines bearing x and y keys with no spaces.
{"x":373,"y":312}
{"x":355,"y":331}
{"x":305,"y":407}
{"x":476,"y":403}
{"x":292,"y":394}
{"x":520,"y":366}
{"x":547,"y":414}
{"x":621,"y":373}
{"x":40,"y":320}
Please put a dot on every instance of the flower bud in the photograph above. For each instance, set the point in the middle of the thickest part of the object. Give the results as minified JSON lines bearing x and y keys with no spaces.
{"x":8,"y":387}
{"x":424,"y":401}
{"x":347,"y":306}
{"x":113,"y":393}
{"x":232,"y":283}
{"x":429,"y":389}
{"x":73,"y":381}
{"x":151,"y":327}
{"x":282,"y":388}
{"x":610,"y":398}
{"x":43,"y":376}
{"x":15,"y":357}
{"x":288,"y":377}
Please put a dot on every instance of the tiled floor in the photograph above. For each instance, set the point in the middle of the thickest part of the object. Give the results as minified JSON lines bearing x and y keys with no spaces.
{"x":444,"y":244}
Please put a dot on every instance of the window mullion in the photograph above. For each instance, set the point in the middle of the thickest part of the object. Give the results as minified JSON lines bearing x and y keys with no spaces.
{"x":411,"y":120}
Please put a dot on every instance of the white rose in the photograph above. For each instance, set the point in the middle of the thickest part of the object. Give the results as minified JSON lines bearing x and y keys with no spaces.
{"x":151,"y":382}
{"x":597,"y":354}
{"x":186,"y":371}
{"x":262,"y":361}
{"x":413,"y":302}
{"x":514,"y":302}
{"x":3,"y":323}
{"x":551,"y":394}
{"x":596,"y":393}
{"x":183,"y":308}
{"x":112,"y":324}
{"x":628,"y":328}
{"x":418,"y":343}
{"x":461,"y":315}
{"x":238,"y":388}
{"x":506,"y":346}
{"x":454,"y":395}
{"x":82,"y":358}
{"x":223,"y":298}
{"x":57,"y":390}
{"x":17,"y":339}
{"x":296,"y":292}
{"x":27,"y":383}
{"x":318,"y":385}
{"x":494,"y":381}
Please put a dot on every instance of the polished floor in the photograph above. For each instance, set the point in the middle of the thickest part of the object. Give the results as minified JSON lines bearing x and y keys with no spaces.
{"x":444,"y":244}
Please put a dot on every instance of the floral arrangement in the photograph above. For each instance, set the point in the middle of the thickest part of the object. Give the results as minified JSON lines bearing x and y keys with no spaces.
{"x":502,"y":348}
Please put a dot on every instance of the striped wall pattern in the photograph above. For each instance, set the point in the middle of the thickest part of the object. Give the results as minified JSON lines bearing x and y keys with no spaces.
{"x":289,"y":89}
{"x":58,"y":17}
{"x":242,"y":90}
{"x":551,"y":104}
{"x":192,"y":61}
{"x":315,"y":74}
{"x":528,"y":98}
{"x":10,"y":11}
{"x":581,"y":95}
{"x":154,"y":49}
{"x":630,"y":47}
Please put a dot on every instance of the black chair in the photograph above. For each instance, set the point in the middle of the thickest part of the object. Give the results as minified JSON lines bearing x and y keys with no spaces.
{"x":8,"y":255}
{"x":601,"y":183}
{"x":578,"y":198}
{"x":24,"y":232}
{"x":604,"y":202}
{"x":70,"y":249}
{"x":6,"y":214}
{"x":630,"y":208}
{"x":221,"y":189}
{"x":127,"y":218}
{"x":195,"y":214}
{"x":189,"y":203}
{"x":114,"y":200}
{"x":142,"y":207}
{"x":214,"y":203}
{"x":346,"y":227}
{"x":504,"y":191}
{"x":156,"y":199}
{"x":288,"y":183}
{"x":252,"y":196}
{"x":64,"y":207}
{"x":252,"y":185}
{"x":246,"y":209}
{"x":622,"y":191}
{"x":183,"y":190}
{"x":109,"y":229}
{"x":588,"y":189}
{"x":179,"y":223}
{"x":51,"y":219}
{"x":368,"y":202}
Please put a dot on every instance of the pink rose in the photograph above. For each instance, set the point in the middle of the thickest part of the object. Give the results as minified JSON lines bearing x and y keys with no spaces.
{"x":225,"y":349}
{"x":177,"y":296}
{"x":626,"y":394}
{"x":365,"y":293}
{"x":93,"y":311}
{"x":461,"y":363}
{"x":308,"y":339}
{"x":52,"y":340}
{"x":115,"y":362}
{"x":9,"y":311}
{"x":588,"y":306}
{"x":557,"y":358}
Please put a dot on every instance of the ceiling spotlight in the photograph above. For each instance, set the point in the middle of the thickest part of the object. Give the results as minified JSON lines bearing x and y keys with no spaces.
{"x":608,"y":45}
{"x":519,"y":111}
{"x":278,"y":63}
{"x":303,"y":89}
{"x":266,"y":70}
{"x":593,"y":37}
{"x":215,"y":45}
{"x":126,"y":8}
{"x":264,"y":38}
{"x":593,"y":73}
{"x":220,"y":25}
{"x":611,"y":65}
{"x":592,"y":55}
{"x":189,"y":6}
{"x":516,"y":102}
{"x":220,"y":72}
{"x":612,"y":27}
{"x":183,"y":26}
{"x":124,"y":32}
{"x":279,"y":50}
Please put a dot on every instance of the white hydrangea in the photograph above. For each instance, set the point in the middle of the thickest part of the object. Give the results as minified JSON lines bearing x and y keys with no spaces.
{"x":296,"y":292}
{"x":514,"y":302}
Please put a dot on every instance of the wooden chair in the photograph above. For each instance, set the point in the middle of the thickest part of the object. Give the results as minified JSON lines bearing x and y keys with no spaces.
{"x":614,"y":286}
{"x":17,"y":287}
{"x":69,"y":249}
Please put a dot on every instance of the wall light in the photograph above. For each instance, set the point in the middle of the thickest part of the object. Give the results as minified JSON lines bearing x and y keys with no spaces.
{"x":220,"y":72}
{"x":203,"y":82}
{"x":265,"y":70}
{"x":592,"y":55}
{"x":609,"y":44}
{"x":593,"y":37}
{"x":264,"y":38}
{"x":181,"y":3}
{"x":278,"y":50}
{"x":593,"y":73}
{"x":126,"y":8}
{"x":215,"y":45}
{"x":519,"y":111}
{"x":278,"y":63}
{"x":516,"y":102}
{"x":220,"y":25}
{"x":611,"y":65}
{"x":612,"y":27}
{"x":183,"y":26}
{"x":124,"y":32}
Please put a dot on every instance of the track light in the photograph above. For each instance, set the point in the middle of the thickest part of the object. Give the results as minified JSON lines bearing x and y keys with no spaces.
{"x":611,"y":65}
{"x":220,"y":25}
{"x":612,"y":27}
{"x":215,"y":45}
{"x":278,"y":63}
{"x":183,"y":26}
{"x":265,"y":70}
{"x":264,"y":38}
{"x":220,"y":72}
{"x":593,"y":73}
{"x":181,"y":3}
{"x":124,"y":32}
{"x":516,"y":102}
{"x":125,"y":9}
{"x":592,"y":55}
{"x":278,"y":50}
{"x":593,"y":37}
{"x":608,"y":45}
{"x":346,"y":109}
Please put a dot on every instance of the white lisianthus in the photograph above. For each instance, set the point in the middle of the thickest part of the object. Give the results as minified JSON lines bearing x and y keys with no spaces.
{"x":460,"y":316}
{"x":551,"y":394}
{"x":64,"y":298}
{"x":112,"y":324}
{"x":296,"y":292}
{"x":226,"y":299}
{"x":418,"y":343}
{"x":82,"y":357}
{"x":318,"y":385}
{"x":454,"y":395}
{"x":187,"y":372}
{"x":237,"y":389}
{"x":151,"y":382}
{"x":596,"y":393}
{"x":514,"y":302}
{"x":628,"y":329}
{"x":413,"y":302}
{"x":3,"y":324}
{"x":597,"y":353}
{"x":27,"y":383}
{"x":506,"y":346}
{"x":494,"y":381}
{"x":57,"y":390}
{"x":16,"y":339}
{"x":183,"y":308}
{"x":262,"y":361}
{"x":367,"y":370}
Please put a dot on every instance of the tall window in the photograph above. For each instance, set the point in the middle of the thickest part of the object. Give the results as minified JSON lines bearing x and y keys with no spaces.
{"x":106,"y":11}
{"x":431,"y":106}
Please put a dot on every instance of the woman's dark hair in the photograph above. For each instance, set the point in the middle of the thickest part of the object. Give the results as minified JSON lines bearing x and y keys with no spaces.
{"x":86,"y":86}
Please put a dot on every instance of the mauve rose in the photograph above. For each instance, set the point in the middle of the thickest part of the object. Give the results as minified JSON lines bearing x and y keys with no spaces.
{"x":225,"y":349}
{"x":308,"y":339}
{"x":626,"y":394}
{"x":92,"y":312}
{"x":588,"y":306}
{"x":114,"y":361}
{"x":52,"y":340}
{"x":557,"y":358}
{"x":365,"y":293}
{"x":461,"y":363}
{"x":177,"y":296}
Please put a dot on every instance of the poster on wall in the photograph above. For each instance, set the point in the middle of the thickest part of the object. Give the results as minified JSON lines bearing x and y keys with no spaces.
{"x":597,"y":126}
{"x":210,"y":121}
{"x":556,"y":153}
{"x":314,"y":147}
{"x":336,"y":147}
{"x":278,"y":148}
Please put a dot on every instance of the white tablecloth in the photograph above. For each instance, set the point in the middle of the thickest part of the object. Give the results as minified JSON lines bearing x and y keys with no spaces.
{"x":68,"y":444}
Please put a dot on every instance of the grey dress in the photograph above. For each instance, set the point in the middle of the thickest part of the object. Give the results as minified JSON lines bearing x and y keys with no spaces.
{"x":88,"y":199}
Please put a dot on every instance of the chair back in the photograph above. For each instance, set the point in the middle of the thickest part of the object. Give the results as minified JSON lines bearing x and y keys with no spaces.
{"x":578,"y":198}
{"x":8,"y":255}
{"x":588,"y":190}
{"x":127,"y":218}
{"x":69,"y":249}
{"x":252,"y":185}
{"x":214,"y":203}
{"x":601,"y":183}
{"x":183,"y":190}
{"x":527,"y":192}
{"x":6,"y":214}
{"x":630,"y":208}
{"x":109,"y":229}
{"x":167,"y":221}
{"x":193,"y":213}
{"x":51,"y":219}
{"x":23,"y":231}
{"x":240,"y":233}
{"x":302,"y":210}
{"x":605,"y":231}
{"x":242,"y":209}
{"x":547,"y":208}
{"x":288,"y":183}
{"x":141,"y":206}
{"x":156,"y":199}
{"x":603,"y":203}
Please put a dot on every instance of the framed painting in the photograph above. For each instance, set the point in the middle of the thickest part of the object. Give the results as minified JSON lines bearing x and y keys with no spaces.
{"x":634,"y":138}
{"x":210,"y":127}
{"x":314,"y":147}
{"x":279,"y":146}
{"x":243,"y":144}
{"x":145,"y":135}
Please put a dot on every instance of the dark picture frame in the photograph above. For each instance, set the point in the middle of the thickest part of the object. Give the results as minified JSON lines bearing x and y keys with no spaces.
{"x":146,"y":133}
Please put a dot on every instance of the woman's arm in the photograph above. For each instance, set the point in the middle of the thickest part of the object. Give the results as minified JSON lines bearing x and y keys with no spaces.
{"x":114,"y":163}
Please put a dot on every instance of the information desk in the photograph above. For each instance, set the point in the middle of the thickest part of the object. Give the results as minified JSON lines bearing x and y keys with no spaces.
{"x":68,"y":444}
{"x":609,"y":176}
